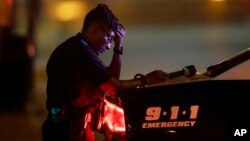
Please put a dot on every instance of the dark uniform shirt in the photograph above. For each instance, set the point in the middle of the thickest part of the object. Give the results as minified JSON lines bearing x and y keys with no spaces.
{"x":71,"y":65}
{"x":74,"y":72}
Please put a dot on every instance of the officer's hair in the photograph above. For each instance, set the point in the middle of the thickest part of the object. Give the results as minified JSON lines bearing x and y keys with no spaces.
{"x":103,"y":15}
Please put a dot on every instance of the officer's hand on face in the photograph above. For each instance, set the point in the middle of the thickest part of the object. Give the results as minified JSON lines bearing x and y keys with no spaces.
{"x":119,"y":36}
{"x":156,"y":76}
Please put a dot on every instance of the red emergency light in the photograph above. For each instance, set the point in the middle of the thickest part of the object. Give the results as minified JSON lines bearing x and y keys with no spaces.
{"x":111,"y":116}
